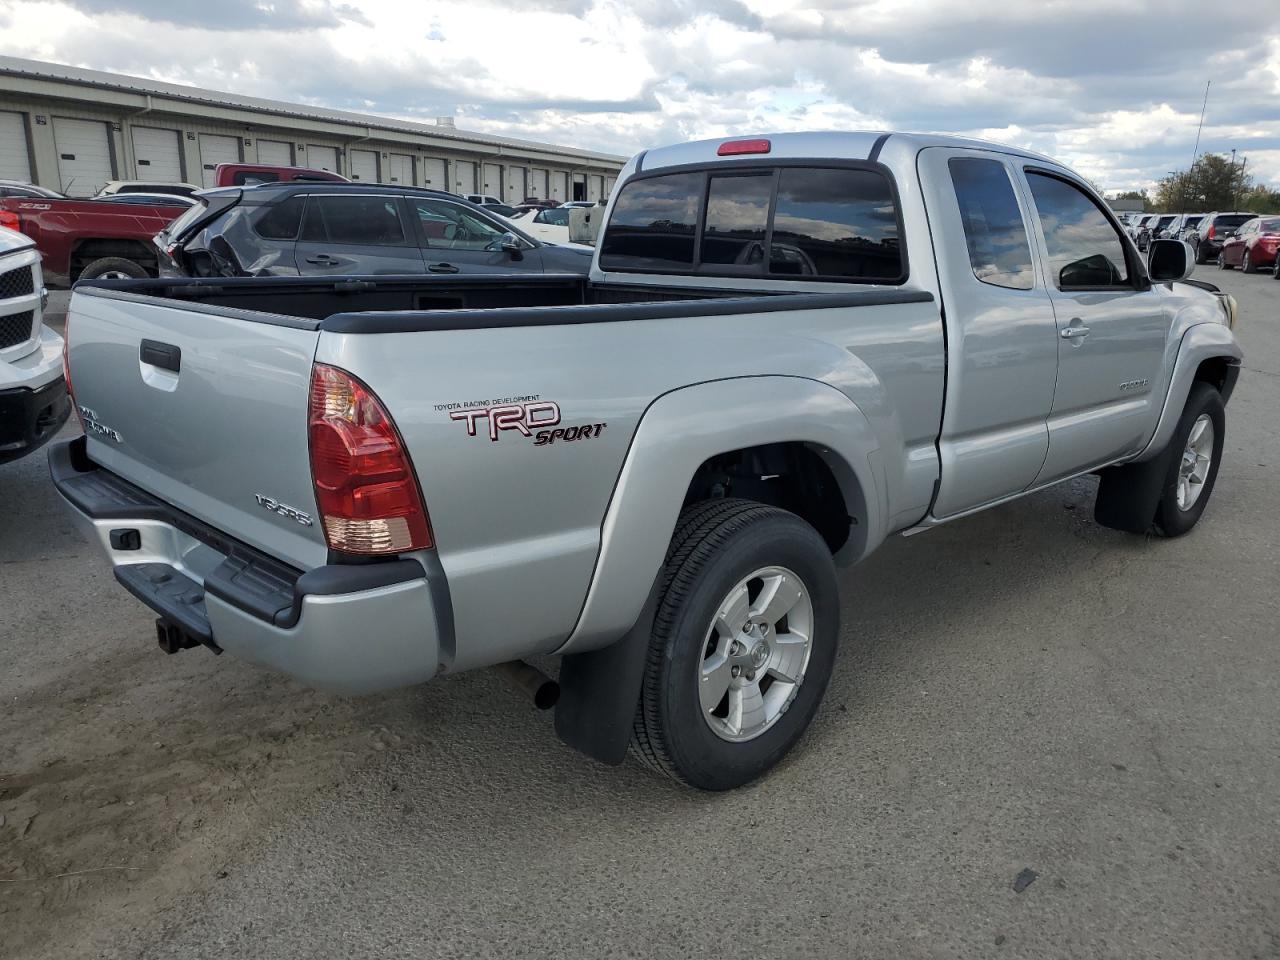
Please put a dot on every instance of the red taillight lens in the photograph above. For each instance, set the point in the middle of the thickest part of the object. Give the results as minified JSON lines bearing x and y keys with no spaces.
{"x":736,"y":148}
{"x":1209,"y":233}
{"x":11,"y":220}
{"x":365,"y":486}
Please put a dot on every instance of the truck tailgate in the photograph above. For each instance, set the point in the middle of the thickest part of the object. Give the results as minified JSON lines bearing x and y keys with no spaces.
{"x":204,"y":407}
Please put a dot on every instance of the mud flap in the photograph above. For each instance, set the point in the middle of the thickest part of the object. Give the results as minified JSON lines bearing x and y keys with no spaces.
{"x":600,"y":690}
{"x":1128,"y":495}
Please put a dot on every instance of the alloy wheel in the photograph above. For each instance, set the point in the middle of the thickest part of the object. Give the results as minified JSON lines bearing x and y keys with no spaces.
{"x":1197,"y":458}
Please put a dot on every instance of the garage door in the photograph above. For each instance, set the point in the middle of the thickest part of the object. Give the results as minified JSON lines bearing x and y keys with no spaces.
{"x":399,"y":169}
{"x":595,"y":187}
{"x":214,"y":150}
{"x":538,"y":184}
{"x":275,"y":152}
{"x":464,"y":177}
{"x":515,"y":184}
{"x":558,"y":178}
{"x":84,"y":156}
{"x":492,"y":184}
{"x":321,"y":158}
{"x":15,"y":164}
{"x":157,"y":154}
{"x":364,"y":166}
{"x":433,"y":174}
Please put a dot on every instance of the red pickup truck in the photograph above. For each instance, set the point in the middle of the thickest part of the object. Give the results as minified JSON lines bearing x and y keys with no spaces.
{"x":93,"y":239}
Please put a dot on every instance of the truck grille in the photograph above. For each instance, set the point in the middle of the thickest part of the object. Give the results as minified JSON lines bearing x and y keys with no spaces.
{"x":17,"y":283}
{"x":16,"y":329}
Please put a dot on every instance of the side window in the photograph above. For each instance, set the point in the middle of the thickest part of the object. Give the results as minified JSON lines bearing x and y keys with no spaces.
{"x":1084,"y":249}
{"x":999,"y":250}
{"x":836,"y":223}
{"x":451,"y":227}
{"x":736,"y":219}
{"x":373,"y":221}
{"x":653,"y":224}
{"x":280,"y":221}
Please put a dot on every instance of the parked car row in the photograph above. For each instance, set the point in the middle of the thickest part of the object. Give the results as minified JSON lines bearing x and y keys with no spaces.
{"x":1206,"y":232}
{"x":276,"y":221}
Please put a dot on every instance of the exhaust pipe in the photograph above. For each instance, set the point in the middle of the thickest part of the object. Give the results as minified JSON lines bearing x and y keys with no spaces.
{"x":532,"y":682}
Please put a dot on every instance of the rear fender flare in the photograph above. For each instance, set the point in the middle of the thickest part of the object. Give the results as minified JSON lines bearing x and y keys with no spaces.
{"x":682,"y":429}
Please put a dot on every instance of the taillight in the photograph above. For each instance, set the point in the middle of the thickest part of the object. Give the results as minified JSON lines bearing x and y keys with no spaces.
{"x":1209,"y":234}
{"x":736,"y":148}
{"x":365,"y":486}
{"x":11,"y":220}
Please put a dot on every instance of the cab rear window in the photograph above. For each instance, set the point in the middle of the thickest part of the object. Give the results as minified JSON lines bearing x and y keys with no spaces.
{"x":795,"y":222}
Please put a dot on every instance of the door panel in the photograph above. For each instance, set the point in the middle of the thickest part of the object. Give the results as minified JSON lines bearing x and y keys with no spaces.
{"x":492,"y":180}
{"x":464,"y":177}
{"x":15,"y":163}
{"x":434,"y":175}
{"x":357,"y":235}
{"x":321,"y":158}
{"x":364,"y":166}
{"x":1111,"y":334}
{"x":1002,"y":341}
{"x":213,"y":151}
{"x":275,"y":152}
{"x":157,"y":154}
{"x":84,"y":156}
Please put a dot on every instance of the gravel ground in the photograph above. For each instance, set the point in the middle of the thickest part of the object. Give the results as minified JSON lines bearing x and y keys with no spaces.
{"x":1043,"y":739}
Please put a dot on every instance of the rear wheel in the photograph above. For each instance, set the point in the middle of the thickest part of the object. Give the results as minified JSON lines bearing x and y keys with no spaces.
{"x":743,"y":644}
{"x":1275,"y":267}
{"x":1246,"y":265}
{"x":113,"y":268}
{"x":1195,"y":452}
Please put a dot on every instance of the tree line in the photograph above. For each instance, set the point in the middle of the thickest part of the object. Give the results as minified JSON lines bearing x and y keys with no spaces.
{"x":1212,"y":183}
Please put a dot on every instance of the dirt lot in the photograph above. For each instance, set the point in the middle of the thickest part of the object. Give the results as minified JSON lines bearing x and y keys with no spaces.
{"x":1022,"y":691}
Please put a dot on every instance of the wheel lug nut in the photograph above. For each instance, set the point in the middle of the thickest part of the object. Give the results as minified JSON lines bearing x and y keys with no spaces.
{"x":736,"y":671}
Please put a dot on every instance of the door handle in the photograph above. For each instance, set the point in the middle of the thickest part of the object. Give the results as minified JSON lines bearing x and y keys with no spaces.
{"x":442,"y":268}
{"x":166,"y":356}
{"x":324,"y":259}
{"x":1076,"y":331}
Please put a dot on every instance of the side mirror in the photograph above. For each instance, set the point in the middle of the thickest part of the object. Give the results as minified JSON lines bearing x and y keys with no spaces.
{"x":510,"y":244}
{"x":1169,"y":260}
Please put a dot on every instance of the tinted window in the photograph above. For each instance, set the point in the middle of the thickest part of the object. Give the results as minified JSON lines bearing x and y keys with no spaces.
{"x":558,"y":217}
{"x":280,"y":220}
{"x":1084,"y":249}
{"x":835,"y":223}
{"x":737,"y":215}
{"x":999,"y":250}
{"x":1269,"y":226}
{"x":453,"y":227}
{"x":1231,"y":221}
{"x":653,"y":224}
{"x":247,"y":178}
{"x":358,"y":220}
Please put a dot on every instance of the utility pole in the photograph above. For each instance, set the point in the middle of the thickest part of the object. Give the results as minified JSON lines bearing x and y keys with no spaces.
{"x":1240,"y":182}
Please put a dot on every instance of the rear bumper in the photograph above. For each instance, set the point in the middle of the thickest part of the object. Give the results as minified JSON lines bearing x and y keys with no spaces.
{"x":350,"y":628}
{"x":29,"y":418}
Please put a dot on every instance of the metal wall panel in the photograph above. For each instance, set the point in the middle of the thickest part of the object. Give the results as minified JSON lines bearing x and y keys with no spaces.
{"x":15,"y":162}
{"x":85,"y":163}
{"x":157,"y":155}
{"x":216,"y":149}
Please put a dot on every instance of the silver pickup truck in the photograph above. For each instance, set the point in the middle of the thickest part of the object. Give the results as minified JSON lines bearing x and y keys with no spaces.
{"x":789,"y":348}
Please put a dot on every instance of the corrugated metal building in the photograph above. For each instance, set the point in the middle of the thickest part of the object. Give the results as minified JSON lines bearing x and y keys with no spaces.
{"x":73,"y":130}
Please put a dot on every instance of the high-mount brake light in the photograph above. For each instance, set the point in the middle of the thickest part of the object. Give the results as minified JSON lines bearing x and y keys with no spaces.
{"x":737,"y":148}
{"x":365,"y":485}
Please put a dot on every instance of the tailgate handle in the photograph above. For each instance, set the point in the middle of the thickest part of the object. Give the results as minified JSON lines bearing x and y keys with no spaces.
{"x":166,"y":356}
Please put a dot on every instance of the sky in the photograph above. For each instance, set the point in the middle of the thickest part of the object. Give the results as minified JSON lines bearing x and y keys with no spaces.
{"x":1111,"y":87}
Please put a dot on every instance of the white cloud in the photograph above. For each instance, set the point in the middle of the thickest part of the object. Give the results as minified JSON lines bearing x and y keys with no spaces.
{"x":1065,"y":79}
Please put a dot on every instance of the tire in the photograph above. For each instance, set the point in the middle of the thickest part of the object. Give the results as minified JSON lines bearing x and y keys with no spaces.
{"x":114,"y":268}
{"x":719,"y":544}
{"x":1246,"y":265}
{"x":1173,"y":518}
{"x":1275,"y":268}
{"x":1222,"y":263}
{"x":1199,"y":256}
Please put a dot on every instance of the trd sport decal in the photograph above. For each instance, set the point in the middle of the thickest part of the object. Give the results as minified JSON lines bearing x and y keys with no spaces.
{"x":531,"y":417}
